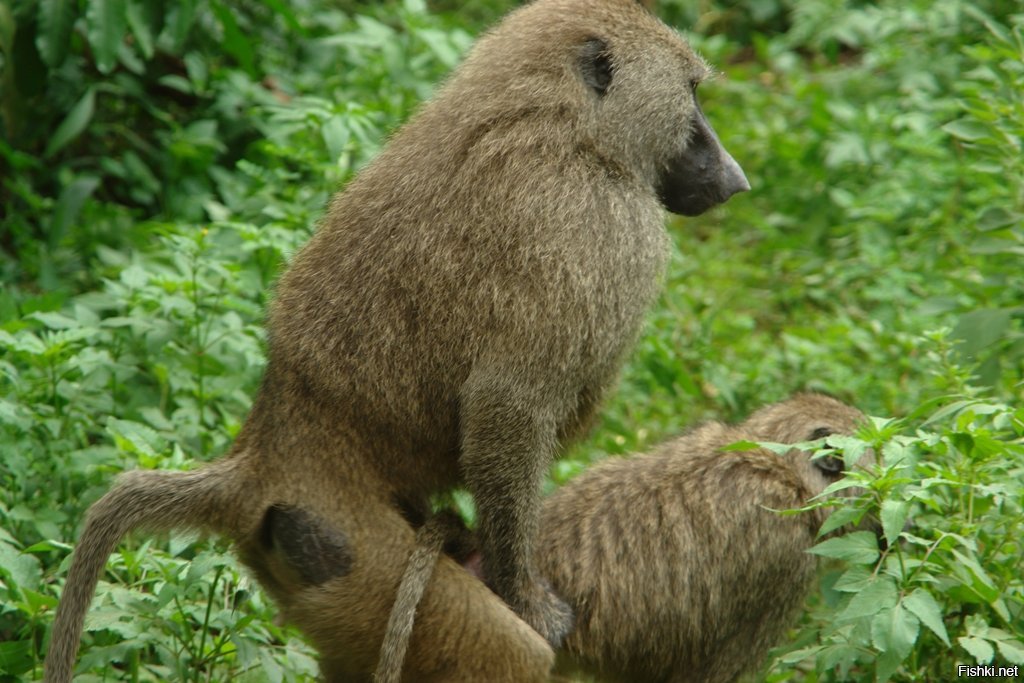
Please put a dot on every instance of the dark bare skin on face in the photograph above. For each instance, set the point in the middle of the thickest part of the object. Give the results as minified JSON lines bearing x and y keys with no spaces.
{"x":456,"y":319}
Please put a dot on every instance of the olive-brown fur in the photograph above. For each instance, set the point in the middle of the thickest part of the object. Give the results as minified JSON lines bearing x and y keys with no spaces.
{"x":676,"y":562}
{"x":457,"y":317}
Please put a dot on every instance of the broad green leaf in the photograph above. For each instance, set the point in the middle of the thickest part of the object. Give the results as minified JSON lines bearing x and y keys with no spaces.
{"x":894,"y":516}
{"x":879,"y":595}
{"x":924,"y":606}
{"x":978,"y":329}
{"x":895,"y":630}
{"x":73,"y":124}
{"x":859,"y":547}
{"x":1011,"y":650}
{"x":840,"y":518}
{"x":56,"y":19}
{"x":55,"y":321}
{"x":106,"y":23}
{"x":967,"y":129}
{"x":979,"y":648}
{"x":135,"y":436}
{"x":22,"y":568}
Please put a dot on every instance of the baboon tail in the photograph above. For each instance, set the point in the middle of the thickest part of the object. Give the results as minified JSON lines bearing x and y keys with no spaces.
{"x":430,"y":538}
{"x":141,"y":499}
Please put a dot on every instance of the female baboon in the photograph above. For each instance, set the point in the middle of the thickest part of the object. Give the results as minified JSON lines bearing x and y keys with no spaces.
{"x":457,"y":317}
{"x":676,"y":563}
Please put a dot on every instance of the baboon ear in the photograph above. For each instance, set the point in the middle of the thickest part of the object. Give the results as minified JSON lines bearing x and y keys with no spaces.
{"x":596,"y":65}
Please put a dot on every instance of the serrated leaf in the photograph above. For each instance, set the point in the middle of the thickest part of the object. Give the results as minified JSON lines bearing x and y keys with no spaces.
{"x":840,"y":518}
{"x":106,"y":24}
{"x":876,"y":596}
{"x":73,"y":124}
{"x":895,"y":630}
{"x":139,"y":437}
{"x":56,"y":19}
{"x":924,"y":606}
{"x":979,"y":648}
{"x":894,"y":516}
{"x":859,"y":547}
{"x":854,"y":580}
{"x":1011,"y":650}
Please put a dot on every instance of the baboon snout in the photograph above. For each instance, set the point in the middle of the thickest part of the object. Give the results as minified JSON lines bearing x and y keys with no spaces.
{"x":703,"y":175}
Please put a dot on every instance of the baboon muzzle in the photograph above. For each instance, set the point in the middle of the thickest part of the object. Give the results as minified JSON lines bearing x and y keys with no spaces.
{"x":703,"y":176}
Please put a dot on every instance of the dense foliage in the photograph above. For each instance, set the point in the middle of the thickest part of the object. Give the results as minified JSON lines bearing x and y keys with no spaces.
{"x":160,"y":160}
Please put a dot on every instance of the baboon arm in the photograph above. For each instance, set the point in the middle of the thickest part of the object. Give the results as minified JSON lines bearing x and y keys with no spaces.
{"x":509,"y":438}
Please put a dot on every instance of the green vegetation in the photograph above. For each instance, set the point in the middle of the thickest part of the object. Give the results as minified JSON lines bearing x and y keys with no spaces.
{"x":160,"y":160}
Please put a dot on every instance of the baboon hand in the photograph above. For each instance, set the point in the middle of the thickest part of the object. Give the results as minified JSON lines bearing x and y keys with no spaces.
{"x":547,"y":613}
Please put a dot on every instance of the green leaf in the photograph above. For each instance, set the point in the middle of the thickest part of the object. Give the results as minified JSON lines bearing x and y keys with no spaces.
{"x":840,"y":518}
{"x":22,"y":568}
{"x":967,"y":129}
{"x":894,"y":516}
{"x":73,"y":124}
{"x":65,"y":213}
{"x":979,"y":329}
{"x":895,"y":630}
{"x":106,"y":23}
{"x":878,"y":595}
{"x":859,"y":547}
{"x":1011,"y":650}
{"x":979,"y":648}
{"x":924,"y":606}
{"x":56,"y":19}
{"x":140,"y":21}
{"x":135,"y":437}
{"x":235,"y":41}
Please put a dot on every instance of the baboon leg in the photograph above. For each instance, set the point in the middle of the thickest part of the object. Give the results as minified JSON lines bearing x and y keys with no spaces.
{"x":462,"y":633}
{"x":509,"y":438}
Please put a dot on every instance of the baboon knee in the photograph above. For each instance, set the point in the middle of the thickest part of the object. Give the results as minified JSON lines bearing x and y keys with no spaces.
{"x":314,"y":549}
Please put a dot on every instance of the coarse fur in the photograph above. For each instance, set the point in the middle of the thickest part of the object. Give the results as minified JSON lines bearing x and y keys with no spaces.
{"x":676,"y":563}
{"x":458,"y":316}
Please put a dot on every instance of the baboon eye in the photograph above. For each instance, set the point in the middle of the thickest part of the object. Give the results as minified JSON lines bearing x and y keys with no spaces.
{"x":820,"y":433}
{"x":596,"y":65}
{"x":831,"y":465}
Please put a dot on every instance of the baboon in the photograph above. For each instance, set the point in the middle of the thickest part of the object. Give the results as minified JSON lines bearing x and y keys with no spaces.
{"x":675,"y":563}
{"x":457,"y":318}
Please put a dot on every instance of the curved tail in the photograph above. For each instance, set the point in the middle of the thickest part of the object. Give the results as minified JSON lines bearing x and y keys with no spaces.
{"x":443,"y":527}
{"x":206,"y":499}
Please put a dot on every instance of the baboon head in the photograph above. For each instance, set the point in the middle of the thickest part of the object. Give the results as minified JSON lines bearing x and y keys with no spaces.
{"x":633,"y":95}
{"x":810,"y":417}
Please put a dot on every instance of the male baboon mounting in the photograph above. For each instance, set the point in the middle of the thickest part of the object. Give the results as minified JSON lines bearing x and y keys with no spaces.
{"x":457,"y":317}
{"x":675,"y":563}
